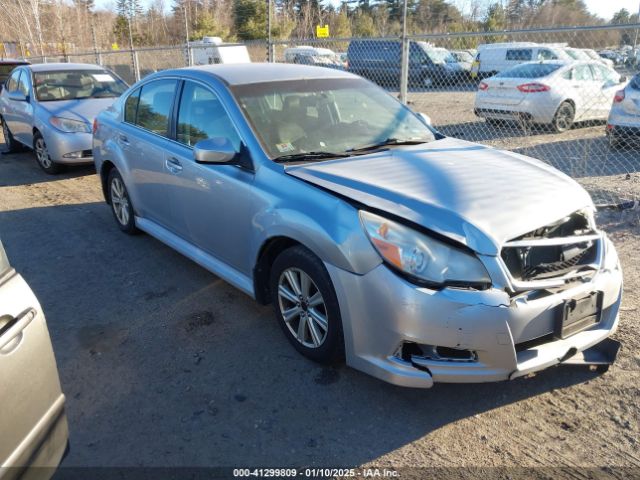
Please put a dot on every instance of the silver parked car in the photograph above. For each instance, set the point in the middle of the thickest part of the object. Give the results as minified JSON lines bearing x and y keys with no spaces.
{"x":624,"y":119}
{"x":555,"y":93}
{"x":51,"y":107}
{"x":421,"y":258}
{"x":33,"y":421}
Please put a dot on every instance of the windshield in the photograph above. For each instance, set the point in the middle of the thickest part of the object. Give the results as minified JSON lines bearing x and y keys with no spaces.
{"x":440,"y":55}
{"x":326,"y":115}
{"x":77,"y":84}
{"x":530,"y":70}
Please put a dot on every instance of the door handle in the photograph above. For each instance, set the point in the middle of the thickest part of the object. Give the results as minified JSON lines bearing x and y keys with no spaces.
{"x":14,"y":327}
{"x":123,"y":140}
{"x":173,"y":165}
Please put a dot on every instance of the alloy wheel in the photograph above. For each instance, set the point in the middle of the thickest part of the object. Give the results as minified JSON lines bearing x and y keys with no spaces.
{"x":120,"y":201}
{"x":302,"y":307}
{"x":42,"y":154}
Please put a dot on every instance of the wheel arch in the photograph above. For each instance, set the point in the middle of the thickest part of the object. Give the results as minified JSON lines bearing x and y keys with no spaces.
{"x":105,"y":169}
{"x":267,"y":254}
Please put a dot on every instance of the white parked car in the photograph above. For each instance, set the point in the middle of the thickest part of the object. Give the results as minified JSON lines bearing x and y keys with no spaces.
{"x":623,"y":123}
{"x":493,"y":58}
{"x":553,"y":93}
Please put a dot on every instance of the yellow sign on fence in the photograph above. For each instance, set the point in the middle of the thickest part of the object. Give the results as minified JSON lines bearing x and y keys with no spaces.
{"x":114,"y":46}
{"x":322,"y":32}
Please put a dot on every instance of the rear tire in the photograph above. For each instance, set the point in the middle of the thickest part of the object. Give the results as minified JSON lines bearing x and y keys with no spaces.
{"x":121,"y":205}
{"x":9,"y":141}
{"x":563,"y":119}
{"x":306,"y":306}
{"x":42,"y":155}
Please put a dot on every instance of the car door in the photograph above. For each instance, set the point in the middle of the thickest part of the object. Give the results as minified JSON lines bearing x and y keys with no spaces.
{"x":23,"y":111}
{"x":609,"y":82}
{"x":9,"y":107}
{"x":33,"y":423}
{"x":144,"y":137}
{"x":213,"y":204}
{"x":584,"y":91}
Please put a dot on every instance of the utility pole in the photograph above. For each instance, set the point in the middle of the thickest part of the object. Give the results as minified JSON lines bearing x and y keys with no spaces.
{"x":94,"y":39}
{"x":186,"y":33}
{"x":269,"y":44}
{"x":404,"y":61}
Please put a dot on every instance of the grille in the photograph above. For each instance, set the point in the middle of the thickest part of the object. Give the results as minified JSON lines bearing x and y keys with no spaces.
{"x":553,"y":251}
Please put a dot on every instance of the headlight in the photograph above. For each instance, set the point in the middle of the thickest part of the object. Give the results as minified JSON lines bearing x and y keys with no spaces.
{"x":423,"y":258}
{"x":70,"y":126}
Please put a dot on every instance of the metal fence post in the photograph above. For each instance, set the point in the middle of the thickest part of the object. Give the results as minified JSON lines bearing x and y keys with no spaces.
{"x":404,"y":66}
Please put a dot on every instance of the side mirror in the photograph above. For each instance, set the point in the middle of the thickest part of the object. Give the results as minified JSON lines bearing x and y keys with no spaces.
{"x":17,"y":96}
{"x":424,"y":117}
{"x":214,"y":150}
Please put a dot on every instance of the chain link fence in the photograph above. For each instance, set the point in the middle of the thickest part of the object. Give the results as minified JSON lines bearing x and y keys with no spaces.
{"x":544,"y":93}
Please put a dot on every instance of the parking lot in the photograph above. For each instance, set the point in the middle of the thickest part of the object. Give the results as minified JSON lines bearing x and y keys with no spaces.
{"x":163,"y":364}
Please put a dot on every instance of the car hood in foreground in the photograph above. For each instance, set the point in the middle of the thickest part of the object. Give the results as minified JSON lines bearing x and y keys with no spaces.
{"x":86,"y":109}
{"x":474,"y":194}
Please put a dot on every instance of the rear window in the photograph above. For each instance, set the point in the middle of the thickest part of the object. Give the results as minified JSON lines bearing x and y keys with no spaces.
{"x":635,"y":82}
{"x":531,"y":70}
{"x":520,"y":54}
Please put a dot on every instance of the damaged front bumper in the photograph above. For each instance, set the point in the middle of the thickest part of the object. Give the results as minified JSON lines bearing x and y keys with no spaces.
{"x":413,"y":336}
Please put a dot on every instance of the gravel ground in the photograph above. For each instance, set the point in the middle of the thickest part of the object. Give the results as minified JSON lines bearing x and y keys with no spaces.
{"x":163,"y":364}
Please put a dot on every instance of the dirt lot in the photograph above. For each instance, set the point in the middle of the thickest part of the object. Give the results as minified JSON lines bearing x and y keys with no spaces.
{"x":163,"y":364}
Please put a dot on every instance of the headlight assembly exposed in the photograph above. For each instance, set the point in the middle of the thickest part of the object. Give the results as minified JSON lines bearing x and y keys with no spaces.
{"x":68,"y":125}
{"x":422,"y":257}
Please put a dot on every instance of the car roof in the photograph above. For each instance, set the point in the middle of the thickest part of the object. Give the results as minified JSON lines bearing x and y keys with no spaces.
{"x":54,"y":67}
{"x":13,"y":61}
{"x":246,"y":73}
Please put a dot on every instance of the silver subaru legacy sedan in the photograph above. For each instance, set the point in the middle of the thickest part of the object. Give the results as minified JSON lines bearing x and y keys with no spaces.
{"x":416,"y":257}
{"x":51,"y":108}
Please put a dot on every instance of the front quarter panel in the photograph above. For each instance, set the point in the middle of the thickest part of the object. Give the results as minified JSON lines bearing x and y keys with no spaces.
{"x":327,"y":225}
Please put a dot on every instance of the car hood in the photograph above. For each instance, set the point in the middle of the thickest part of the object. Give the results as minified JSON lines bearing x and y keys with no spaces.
{"x":85,"y":110}
{"x":473,"y":194}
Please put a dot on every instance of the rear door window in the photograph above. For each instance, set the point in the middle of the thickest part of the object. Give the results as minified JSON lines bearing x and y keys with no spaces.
{"x":545,"y":54}
{"x":582,"y":73}
{"x":154,"y":106}
{"x":519,"y":54}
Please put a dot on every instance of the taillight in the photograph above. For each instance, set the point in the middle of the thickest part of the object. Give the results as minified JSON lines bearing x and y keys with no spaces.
{"x":619,"y":96}
{"x":533,"y":87}
{"x":95,"y":125}
{"x":483,"y":86}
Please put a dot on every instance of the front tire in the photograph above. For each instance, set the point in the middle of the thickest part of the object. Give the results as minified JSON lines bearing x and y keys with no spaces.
{"x":306,"y":305}
{"x":9,"y":141}
{"x":563,"y":119}
{"x":121,"y":205}
{"x":42,"y":155}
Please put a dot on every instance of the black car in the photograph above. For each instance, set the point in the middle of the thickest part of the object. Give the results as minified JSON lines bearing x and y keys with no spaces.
{"x":6,"y":66}
{"x":380,"y":61}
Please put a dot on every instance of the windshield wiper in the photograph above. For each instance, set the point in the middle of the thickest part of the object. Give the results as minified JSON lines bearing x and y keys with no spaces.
{"x":387,"y":142}
{"x":308,"y":156}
